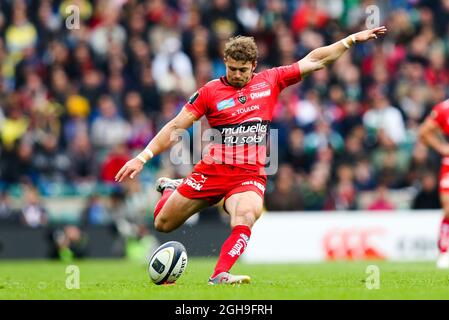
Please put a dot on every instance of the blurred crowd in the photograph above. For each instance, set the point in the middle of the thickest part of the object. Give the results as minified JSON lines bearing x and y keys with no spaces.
{"x":79,"y":97}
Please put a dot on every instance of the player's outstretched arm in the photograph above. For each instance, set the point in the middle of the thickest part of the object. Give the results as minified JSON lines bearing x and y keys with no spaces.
{"x":165,"y":138}
{"x":429,"y":132}
{"x":321,"y":57}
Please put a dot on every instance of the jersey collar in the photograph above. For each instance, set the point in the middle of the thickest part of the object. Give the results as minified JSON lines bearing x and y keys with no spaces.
{"x":224,"y":80}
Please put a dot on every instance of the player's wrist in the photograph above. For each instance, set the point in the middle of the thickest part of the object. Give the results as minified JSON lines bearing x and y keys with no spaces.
{"x":145,"y":156}
{"x":149,"y":153}
{"x":349,"y":41}
{"x":142,"y":159}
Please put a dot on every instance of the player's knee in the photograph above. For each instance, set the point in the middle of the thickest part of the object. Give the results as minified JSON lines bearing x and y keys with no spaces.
{"x":162,"y":225}
{"x":245,"y":216}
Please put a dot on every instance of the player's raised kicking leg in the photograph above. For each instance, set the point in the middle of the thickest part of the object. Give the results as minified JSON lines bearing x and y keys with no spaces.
{"x":443,"y":239}
{"x":173,"y":209}
{"x":244,"y":208}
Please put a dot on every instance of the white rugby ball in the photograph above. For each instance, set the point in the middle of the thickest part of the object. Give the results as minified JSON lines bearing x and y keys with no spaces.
{"x":167,"y":263}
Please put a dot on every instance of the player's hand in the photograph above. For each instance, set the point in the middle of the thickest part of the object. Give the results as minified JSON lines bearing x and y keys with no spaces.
{"x":369,"y":34}
{"x":131,"y":169}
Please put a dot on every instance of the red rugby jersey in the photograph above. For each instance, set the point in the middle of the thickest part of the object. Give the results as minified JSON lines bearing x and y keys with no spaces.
{"x":241,"y":116}
{"x":440,"y":113}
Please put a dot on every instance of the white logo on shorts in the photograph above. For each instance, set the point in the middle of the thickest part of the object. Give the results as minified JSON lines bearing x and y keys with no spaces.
{"x":196,"y":181}
{"x":255,"y":183}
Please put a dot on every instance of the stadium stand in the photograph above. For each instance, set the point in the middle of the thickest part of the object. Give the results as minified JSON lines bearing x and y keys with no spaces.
{"x":77,"y":101}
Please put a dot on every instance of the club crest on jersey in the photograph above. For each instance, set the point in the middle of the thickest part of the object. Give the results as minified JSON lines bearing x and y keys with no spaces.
{"x":242,"y":99}
{"x":224,"y":104}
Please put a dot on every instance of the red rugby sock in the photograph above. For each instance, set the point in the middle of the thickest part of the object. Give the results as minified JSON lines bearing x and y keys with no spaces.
{"x":232,"y":248}
{"x":443,"y":240}
{"x":165,"y":195}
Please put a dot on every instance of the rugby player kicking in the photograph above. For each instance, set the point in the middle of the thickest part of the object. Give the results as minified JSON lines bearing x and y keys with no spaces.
{"x":239,"y":107}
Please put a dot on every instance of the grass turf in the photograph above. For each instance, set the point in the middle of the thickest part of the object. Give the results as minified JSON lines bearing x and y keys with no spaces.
{"x":121,"y":279}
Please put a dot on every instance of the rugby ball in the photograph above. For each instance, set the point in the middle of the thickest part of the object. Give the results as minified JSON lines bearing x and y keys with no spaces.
{"x":167,"y":263}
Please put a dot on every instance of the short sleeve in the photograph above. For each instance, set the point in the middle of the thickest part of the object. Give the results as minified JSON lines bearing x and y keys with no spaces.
{"x":285,"y":76}
{"x":197,"y":103}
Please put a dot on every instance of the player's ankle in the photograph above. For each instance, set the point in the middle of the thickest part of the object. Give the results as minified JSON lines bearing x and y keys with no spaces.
{"x":216,"y":273}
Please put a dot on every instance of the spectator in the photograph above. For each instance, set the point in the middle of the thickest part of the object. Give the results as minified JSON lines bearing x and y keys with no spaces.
{"x":149,"y":93}
{"x":60,"y":85}
{"x":286,"y":195}
{"x":108,"y":32}
{"x":295,"y":153}
{"x":17,"y":165}
{"x":353,"y":149}
{"x":307,"y":111}
{"x":82,"y":61}
{"x":321,"y":137}
{"x":76,"y":123}
{"x":69,"y":242}
{"x":109,"y":128}
{"x":118,"y":156}
{"x":248,"y":15}
{"x":13,"y":127}
{"x":308,"y":15}
{"x":172,"y":68}
{"x":381,"y":200}
{"x":352,"y":117}
{"x":116,"y":89}
{"x":220,"y":17}
{"x":384,"y":118}
{"x":364,"y":175}
{"x":95,"y":212}
{"x":421,"y":160}
{"x":83,"y":166}
{"x":427,"y":196}
{"x":8,"y":214}
{"x":343,"y":196}
{"x":314,"y":191}
{"x":50,"y":162}
{"x":390,"y":161}
{"x":91,"y":88}
{"x":48,"y":20}
{"x":21,"y":34}
{"x":141,"y":127}
{"x":33,"y":212}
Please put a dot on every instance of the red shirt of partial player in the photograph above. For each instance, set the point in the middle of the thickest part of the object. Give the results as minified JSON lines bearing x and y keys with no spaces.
{"x":440,"y":114}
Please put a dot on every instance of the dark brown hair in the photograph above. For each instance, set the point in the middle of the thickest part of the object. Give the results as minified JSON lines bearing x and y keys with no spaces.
{"x":241,"y":48}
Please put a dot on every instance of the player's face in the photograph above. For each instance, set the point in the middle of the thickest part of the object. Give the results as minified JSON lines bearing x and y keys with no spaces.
{"x":238,"y":73}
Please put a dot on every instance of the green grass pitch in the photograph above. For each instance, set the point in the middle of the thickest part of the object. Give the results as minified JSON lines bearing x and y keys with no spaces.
{"x":122,"y":279}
